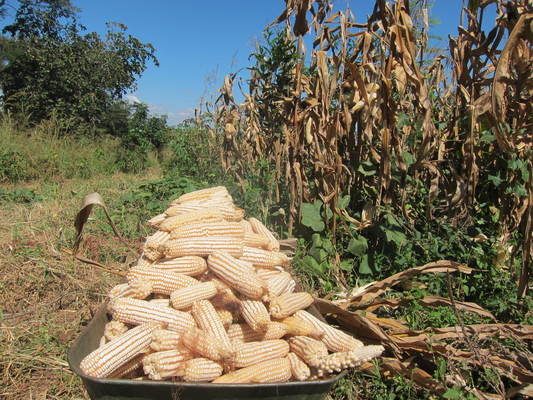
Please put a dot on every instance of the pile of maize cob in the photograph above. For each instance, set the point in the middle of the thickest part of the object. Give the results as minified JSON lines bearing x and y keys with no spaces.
{"x":209,"y":301}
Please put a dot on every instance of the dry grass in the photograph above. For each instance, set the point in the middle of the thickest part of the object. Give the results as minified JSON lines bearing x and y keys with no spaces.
{"x":47,"y":297}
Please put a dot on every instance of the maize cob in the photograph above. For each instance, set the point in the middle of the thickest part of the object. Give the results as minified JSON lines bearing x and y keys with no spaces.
{"x":267,"y":273}
{"x":106,"y":359}
{"x":263,"y":258}
{"x":287,"y":304}
{"x":163,"y":282}
{"x":185,"y":297}
{"x":202,"y":229}
{"x":207,"y":319}
{"x":163,"y":339}
{"x":209,"y":214}
{"x":226,"y":298}
{"x":228,"y":210}
{"x":255,"y":240}
{"x":255,"y":314}
{"x":202,"y":194}
{"x":156,"y":221}
{"x":300,"y":371}
{"x":136,"y":312}
{"x":237,"y":274}
{"x":247,"y":226}
{"x":189,"y":265}
{"x":275,"y":370}
{"x":334,"y":339}
{"x":200,"y":370}
{"x":225,"y":316}
{"x":203,"y":246}
{"x":143,"y":262}
{"x":136,"y":289}
{"x":310,"y":350}
{"x":152,"y":243}
{"x":103,"y":340}
{"x":243,"y":333}
{"x":277,"y":285}
{"x":128,"y":369}
{"x":160,"y":302}
{"x":113,"y":329}
{"x":336,"y":362}
{"x":299,"y":327}
{"x":163,"y":364}
{"x":251,"y":353}
{"x":205,"y":344}
{"x":261,"y":229}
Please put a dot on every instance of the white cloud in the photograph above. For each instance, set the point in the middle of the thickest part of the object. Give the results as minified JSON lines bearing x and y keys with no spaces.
{"x":131,"y":98}
{"x":174,"y":116}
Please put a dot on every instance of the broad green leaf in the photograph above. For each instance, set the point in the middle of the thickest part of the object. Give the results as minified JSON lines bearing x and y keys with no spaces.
{"x":495,"y":179}
{"x":311,"y":216}
{"x":316,"y":240}
{"x":395,"y":237}
{"x":311,"y":263}
{"x":328,"y":246}
{"x":344,"y":201}
{"x":358,"y":246}
{"x":347,"y":264}
{"x":364,"y":267}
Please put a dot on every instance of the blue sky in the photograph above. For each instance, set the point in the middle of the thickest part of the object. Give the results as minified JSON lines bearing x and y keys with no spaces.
{"x":198,"y":42}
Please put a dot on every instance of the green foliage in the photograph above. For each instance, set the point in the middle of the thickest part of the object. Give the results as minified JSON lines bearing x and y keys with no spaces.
{"x":19,"y":196}
{"x":311,"y":216}
{"x":140,"y":134}
{"x":58,"y":69}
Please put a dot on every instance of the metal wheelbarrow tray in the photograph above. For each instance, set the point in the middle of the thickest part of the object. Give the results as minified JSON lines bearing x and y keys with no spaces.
{"x":124,"y":389}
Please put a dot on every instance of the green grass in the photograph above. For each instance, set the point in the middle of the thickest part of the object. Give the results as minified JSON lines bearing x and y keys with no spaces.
{"x":50,"y":151}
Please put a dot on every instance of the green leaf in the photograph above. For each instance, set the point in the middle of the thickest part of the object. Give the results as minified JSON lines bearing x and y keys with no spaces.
{"x":495,"y":179}
{"x":347,"y":264}
{"x":316,"y":240}
{"x":364,"y":267}
{"x":454,"y":393}
{"x":318,"y":254}
{"x":395,"y":237}
{"x":367,"y":168}
{"x":328,"y":246}
{"x":311,"y":263}
{"x":311,"y":216}
{"x":344,"y":201}
{"x":358,"y":246}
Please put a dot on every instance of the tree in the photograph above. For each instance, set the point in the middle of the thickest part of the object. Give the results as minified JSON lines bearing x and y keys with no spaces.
{"x":58,"y":70}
